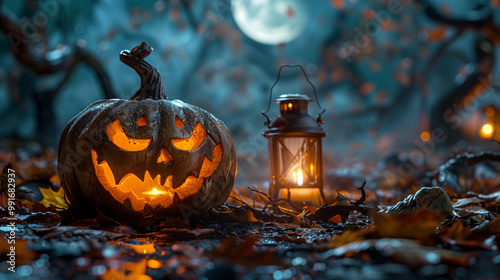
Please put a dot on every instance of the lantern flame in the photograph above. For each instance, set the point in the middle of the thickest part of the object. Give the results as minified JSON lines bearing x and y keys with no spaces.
{"x":300,"y":179}
{"x":487,"y":131}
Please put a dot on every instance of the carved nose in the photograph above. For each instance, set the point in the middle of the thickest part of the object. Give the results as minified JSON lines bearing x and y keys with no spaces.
{"x":164,"y":156}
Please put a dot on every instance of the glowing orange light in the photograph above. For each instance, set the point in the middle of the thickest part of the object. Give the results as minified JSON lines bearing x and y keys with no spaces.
{"x":487,"y":130}
{"x":490,"y":112}
{"x":155,"y":191}
{"x":425,"y":136}
{"x":143,"y":248}
{"x":300,"y":179}
{"x":154,"y":264}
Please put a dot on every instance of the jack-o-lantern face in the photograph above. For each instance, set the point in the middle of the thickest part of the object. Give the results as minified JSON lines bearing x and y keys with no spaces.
{"x":154,"y":191}
{"x":146,"y":156}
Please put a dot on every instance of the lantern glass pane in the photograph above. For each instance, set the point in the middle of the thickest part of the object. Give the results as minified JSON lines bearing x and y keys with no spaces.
{"x":297,"y":161}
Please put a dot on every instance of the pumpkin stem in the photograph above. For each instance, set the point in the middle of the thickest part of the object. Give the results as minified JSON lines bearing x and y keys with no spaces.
{"x":151,"y":84}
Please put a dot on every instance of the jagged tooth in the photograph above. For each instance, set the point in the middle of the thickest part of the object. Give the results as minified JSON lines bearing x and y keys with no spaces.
{"x":162,"y":180}
{"x":168,"y":182}
{"x":148,"y":176}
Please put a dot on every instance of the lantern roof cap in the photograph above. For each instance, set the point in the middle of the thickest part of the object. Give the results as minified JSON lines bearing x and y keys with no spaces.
{"x":292,"y":97}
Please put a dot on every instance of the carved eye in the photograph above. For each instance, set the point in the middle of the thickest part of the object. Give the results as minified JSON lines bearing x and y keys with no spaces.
{"x":192,"y":142}
{"x":119,"y":138}
{"x":178,"y":122}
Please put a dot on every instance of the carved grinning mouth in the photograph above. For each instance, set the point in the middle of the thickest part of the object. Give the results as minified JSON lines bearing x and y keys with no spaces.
{"x":135,"y":189}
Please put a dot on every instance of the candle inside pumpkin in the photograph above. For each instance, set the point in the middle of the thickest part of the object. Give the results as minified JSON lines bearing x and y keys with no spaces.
{"x":154,"y":192}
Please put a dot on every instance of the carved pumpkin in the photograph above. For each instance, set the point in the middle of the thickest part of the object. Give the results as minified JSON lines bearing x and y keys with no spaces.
{"x":147,"y":156}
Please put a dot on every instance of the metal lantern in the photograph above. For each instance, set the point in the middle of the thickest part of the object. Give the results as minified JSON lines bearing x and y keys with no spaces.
{"x":294,"y":140}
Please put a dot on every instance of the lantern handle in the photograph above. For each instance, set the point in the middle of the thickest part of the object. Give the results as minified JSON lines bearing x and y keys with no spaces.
{"x":318,"y":117}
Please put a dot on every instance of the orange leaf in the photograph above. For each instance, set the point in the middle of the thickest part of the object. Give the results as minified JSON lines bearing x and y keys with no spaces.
{"x":247,"y":217}
{"x":458,"y":231}
{"x":335,"y":219}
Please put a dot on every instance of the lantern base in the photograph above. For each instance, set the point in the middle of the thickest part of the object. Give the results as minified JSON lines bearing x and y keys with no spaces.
{"x":302,"y":195}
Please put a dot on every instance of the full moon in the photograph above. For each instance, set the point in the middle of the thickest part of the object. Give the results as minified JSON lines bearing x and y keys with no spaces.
{"x":270,"y":22}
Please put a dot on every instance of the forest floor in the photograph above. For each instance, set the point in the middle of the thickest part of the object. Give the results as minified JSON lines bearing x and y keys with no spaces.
{"x":358,"y":234}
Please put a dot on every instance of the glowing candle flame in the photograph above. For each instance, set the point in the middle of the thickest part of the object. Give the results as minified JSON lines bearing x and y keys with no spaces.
{"x":487,"y":130}
{"x":300,"y":179}
{"x":154,"y":192}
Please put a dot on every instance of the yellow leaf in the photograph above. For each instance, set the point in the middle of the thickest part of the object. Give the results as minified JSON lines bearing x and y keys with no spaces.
{"x":51,"y":198}
{"x":26,"y":203}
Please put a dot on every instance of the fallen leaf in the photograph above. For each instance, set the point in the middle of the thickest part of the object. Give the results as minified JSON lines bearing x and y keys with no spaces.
{"x":246,"y":217}
{"x":335,"y":219}
{"x":490,"y":228}
{"x":457,"y":231}
{"x":413,"y":224}
{"x":461,"y":203}
{"x":55,"y":199}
